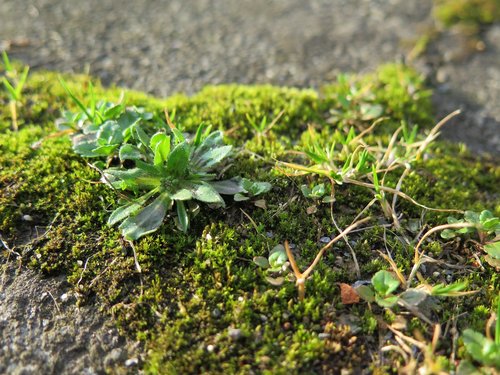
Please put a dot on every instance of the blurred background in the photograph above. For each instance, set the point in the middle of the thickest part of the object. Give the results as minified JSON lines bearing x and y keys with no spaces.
{"x":162,"y":47}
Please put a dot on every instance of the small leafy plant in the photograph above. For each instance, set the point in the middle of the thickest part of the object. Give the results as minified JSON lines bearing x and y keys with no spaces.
{"x":484,"y":223}
{"x":384,"y":284}
{"x":262,"y":128}
{"x":487,"y":227}
{"x":14,"y":84}
{"x":350,"y":159}
{"x":160,"y":166}
{"x":274,"y":265}
{"x":483,"y":349}
{"x":316,"y":192}
{"x":381,"y":292}
{"x":171,"y":169}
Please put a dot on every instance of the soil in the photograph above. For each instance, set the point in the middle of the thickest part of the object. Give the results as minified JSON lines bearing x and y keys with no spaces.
{"x":163,"y":47}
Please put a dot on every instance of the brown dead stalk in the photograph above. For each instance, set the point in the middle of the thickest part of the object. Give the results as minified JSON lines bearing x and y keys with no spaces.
{"x":302,"y":276}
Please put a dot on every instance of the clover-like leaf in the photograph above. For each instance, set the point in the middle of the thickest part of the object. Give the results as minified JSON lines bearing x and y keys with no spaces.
{"x":493,"y":249}
{"x":388,"y":301}
{"x":448,"y":233}
{"x":471,"y":217}
{"x":481,"y":348}
{"x":277,"y":257}
{"x":366,"y":292}
{"x":384,"y":283}
{"x":261,"y":261}
{"x":413,"y":297}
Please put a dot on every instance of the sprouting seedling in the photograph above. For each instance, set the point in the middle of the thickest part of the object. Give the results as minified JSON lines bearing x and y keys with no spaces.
{"x":485,"y":224}
{"x":94,"y":113}
{"x":261,"y":129}
{"x":387,"y":209}
{"x":251,"y":189}
{"x":384,"y":284}
{"x":276,"y":260}
{"x":351,"y":160}
{"x":301,"y":277}
{"x":274,"y":265}
{"x":14,"y":84}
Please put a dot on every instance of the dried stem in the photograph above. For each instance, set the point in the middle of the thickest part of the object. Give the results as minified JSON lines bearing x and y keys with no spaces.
{"x":301,"y":277}
{"x":418,"y":255}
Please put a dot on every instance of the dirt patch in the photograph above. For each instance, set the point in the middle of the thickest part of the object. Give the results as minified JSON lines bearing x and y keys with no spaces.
{"x":43,"y":331}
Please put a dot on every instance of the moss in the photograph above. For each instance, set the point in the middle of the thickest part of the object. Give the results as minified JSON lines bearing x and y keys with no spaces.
{"x":200,"y":304}
{"x":472,"y":13}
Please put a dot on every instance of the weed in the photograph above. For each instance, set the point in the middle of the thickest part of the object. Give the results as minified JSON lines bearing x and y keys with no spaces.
{"x":262,"y":129}
{"x":384,"y":284}
{"x":170,"y":168}
{"x":14,"y":84}
{"x":301,"y":277}
{"x":274,"y":265}
{"x":483,"y":349}
{"x":350,"y":159}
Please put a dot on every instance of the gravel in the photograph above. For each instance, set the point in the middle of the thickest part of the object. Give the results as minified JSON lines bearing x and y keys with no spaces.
{"x":163,"y":47}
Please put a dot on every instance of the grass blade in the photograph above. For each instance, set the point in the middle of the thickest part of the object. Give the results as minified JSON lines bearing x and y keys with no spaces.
{"x":75,"y":99}
{"x":6,"y":62}
{"x":10,"y":89}
{"x":22,"y":81}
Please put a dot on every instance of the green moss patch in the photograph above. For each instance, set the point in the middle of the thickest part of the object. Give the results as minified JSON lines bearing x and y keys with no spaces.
{"x":200,"y":304}
{"x":471,"y":13}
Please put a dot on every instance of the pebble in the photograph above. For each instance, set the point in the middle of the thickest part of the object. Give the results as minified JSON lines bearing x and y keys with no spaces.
{"x":113,"y":357}
{"x":216,"y":313}
{"x":235,"y":333}
{"x":131,"y":362}
{"x":210,"y":348}
{"x":325,"y":239}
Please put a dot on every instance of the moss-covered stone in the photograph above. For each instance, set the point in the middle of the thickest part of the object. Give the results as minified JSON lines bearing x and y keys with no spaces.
{"x":200,"y":303}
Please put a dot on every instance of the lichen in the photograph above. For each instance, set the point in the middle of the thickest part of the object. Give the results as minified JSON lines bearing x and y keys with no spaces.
{"x":200,"y":304}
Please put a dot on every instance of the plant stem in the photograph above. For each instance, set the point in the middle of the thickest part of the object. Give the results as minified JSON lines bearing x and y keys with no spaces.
{"x":418,"y":256}
{"x":329,"y":244}
{"x":301,"y":277}
{"x":13,"y":112}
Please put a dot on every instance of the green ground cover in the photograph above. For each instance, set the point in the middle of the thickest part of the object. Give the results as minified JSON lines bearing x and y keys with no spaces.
{"x":203,"y":301}
{"x":471,"y":13}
